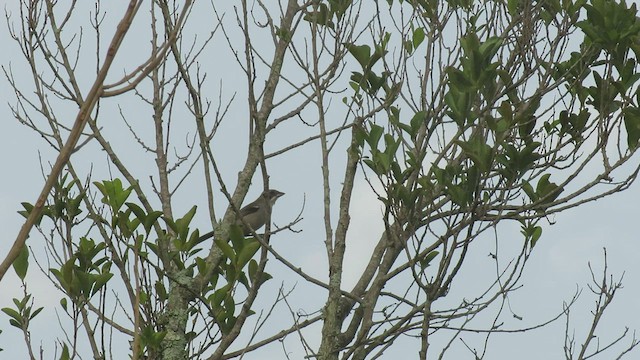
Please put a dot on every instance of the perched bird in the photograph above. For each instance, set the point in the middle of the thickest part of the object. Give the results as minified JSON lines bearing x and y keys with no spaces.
{"x":254,"y":215}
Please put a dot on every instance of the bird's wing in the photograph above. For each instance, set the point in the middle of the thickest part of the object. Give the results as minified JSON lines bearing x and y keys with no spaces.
{"x":248,"y":210}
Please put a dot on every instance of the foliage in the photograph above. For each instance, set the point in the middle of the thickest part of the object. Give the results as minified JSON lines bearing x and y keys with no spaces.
{"x":461,"y":116}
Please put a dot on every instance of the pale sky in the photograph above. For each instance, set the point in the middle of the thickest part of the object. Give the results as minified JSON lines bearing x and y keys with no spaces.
{"x":558,"y":267}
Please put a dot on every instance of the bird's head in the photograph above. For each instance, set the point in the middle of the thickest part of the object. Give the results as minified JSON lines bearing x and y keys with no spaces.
{"x":272,"y":195}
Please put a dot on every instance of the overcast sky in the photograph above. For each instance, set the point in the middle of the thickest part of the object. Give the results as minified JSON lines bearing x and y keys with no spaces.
{"x":557,"y":269}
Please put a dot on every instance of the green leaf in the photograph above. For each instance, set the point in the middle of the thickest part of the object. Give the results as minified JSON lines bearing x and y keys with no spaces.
{"x":537,"y":232}
{"x":202,"y":266}
{"x":458,"y":195}
{"x":35,"y":313}
{"x":161,"y":290}
{"x":113,"y":193}
{"x":459,"y":105}
{"x":362,"y":53}
{"x":264,"y":278}
{"x":528,"y":189}
{"x":182,"y":224}
{"x":490,"y":47}
{"x":418,"y":37}
{"x":531,"y":232}
{"x":15,"y":316}
{"x":477,"y":149}
{"x":170,"y":224}
{"x":236,"y":235}
{"x":632,"y":125}
{"x":546,"y":190}
{"x":29,"y":207}
{"x":459,"y":80}
{"x":151,"y":338}
{"x":218,"y":296}
{"x":360,"y":135}
{"x":416,"y":121}
{"x":151,"y":220}
{"x":253,"y":268}
{"x":375,"y":133}
{"x":65,"y":353}
{"x":321,"y":17}
{"x":408,"y":47}
{"x":375,"y":82}
{"x":339,"y":7}
{"x":250,"y":249}
{"x":100,"y":281}
{"x":137,"y":211}
{"x":512,"y":7}
{"x":21,"y":264}
{"x":381,"y":161}
{"x":284,"y":34}
{"x":424,"y":263}
{"x":226,"y":249}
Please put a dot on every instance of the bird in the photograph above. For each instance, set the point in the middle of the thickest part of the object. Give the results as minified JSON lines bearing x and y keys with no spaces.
{"x":254,"y":215}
